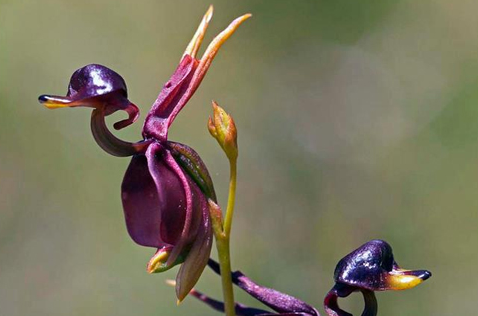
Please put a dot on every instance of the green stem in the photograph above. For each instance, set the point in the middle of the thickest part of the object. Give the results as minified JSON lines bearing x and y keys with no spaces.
{"x":222,"y":234}
{"x":231,"y":199}
{"x":225,"y":265}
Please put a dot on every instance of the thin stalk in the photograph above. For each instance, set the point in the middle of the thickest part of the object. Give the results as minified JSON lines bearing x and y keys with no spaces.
{"x":231,"y":198}
{"x":225,"y":265}
{"x":223,"y":243}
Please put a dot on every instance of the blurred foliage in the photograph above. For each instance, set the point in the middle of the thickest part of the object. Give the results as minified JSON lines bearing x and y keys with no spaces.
{"x":356,"y":120}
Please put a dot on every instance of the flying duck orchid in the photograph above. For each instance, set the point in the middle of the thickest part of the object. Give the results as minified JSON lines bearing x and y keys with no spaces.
{"x":166,"y":187}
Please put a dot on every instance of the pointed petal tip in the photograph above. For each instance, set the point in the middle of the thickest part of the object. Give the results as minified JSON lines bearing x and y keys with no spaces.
{"x":43,"y":98}
{"x":198,"y":37}
{"x":209,"y":13}
{"x":221,"y":38}
{"x":240,"y":19}
{"x":424,"y":274}
{"x":133,"y":114}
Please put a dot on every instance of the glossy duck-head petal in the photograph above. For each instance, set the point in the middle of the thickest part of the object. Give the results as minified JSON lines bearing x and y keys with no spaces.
{"x":369,"y":268}
{"x":96,"y":86}
{"x":105,"y":91}
{"x":373,"y":267}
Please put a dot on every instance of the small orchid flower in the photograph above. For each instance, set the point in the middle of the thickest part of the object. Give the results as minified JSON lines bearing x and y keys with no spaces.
{"x":166,"y":186}
{"x":369,"y":268}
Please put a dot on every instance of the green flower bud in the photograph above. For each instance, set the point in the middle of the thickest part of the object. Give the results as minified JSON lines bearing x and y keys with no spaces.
{"x":223,"y":129}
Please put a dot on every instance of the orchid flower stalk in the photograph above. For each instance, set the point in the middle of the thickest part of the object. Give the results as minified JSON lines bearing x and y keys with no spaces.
{"x":166,"y":188}
{"x":223,"y":129}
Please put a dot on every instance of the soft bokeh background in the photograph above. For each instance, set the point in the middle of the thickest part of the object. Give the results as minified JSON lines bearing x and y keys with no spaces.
{"x":357,"y":120}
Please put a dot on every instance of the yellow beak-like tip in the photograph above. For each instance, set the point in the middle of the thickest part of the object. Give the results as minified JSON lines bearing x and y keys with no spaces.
{"x":406,"y":279}
{"x":54,"y":102}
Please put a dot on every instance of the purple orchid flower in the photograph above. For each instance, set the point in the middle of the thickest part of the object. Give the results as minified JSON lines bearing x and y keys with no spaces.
{"x":369,"y":268}
{"x":166,"y":186}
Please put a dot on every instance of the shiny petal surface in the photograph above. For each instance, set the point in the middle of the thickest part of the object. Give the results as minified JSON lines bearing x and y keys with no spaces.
{"x":365,"y":266}
{"x":141,"y":204}
{"x":98,"y":87}
{"x":154,"y":199}
{"x":94,"y":80}
{"x":372,"y":266}
{"x":174,"y":194}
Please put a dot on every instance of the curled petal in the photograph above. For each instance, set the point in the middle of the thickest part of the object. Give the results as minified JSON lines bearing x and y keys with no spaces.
{"x":332,"y":308}
{"x":110,"y":143}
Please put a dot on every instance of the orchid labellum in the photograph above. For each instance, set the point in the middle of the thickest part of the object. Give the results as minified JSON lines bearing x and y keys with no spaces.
{"x":369,"y":268}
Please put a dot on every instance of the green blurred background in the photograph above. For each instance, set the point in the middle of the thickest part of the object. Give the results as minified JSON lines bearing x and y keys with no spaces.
{"x":357,"y":120}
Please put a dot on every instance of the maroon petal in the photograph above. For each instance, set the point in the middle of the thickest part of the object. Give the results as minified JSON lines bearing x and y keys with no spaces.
{"x":199,"y":253}
{"x":181,"y":220}
{"x":168,"y":104}
{"x":153,"y":200}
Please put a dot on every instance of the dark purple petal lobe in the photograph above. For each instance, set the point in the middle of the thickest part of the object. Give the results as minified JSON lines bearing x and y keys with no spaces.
{"x":141,"y":204}
{"x":174,"y":195}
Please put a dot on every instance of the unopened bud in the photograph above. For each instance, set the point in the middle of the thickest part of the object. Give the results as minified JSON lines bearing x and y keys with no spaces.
{"x":223,"y":129}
